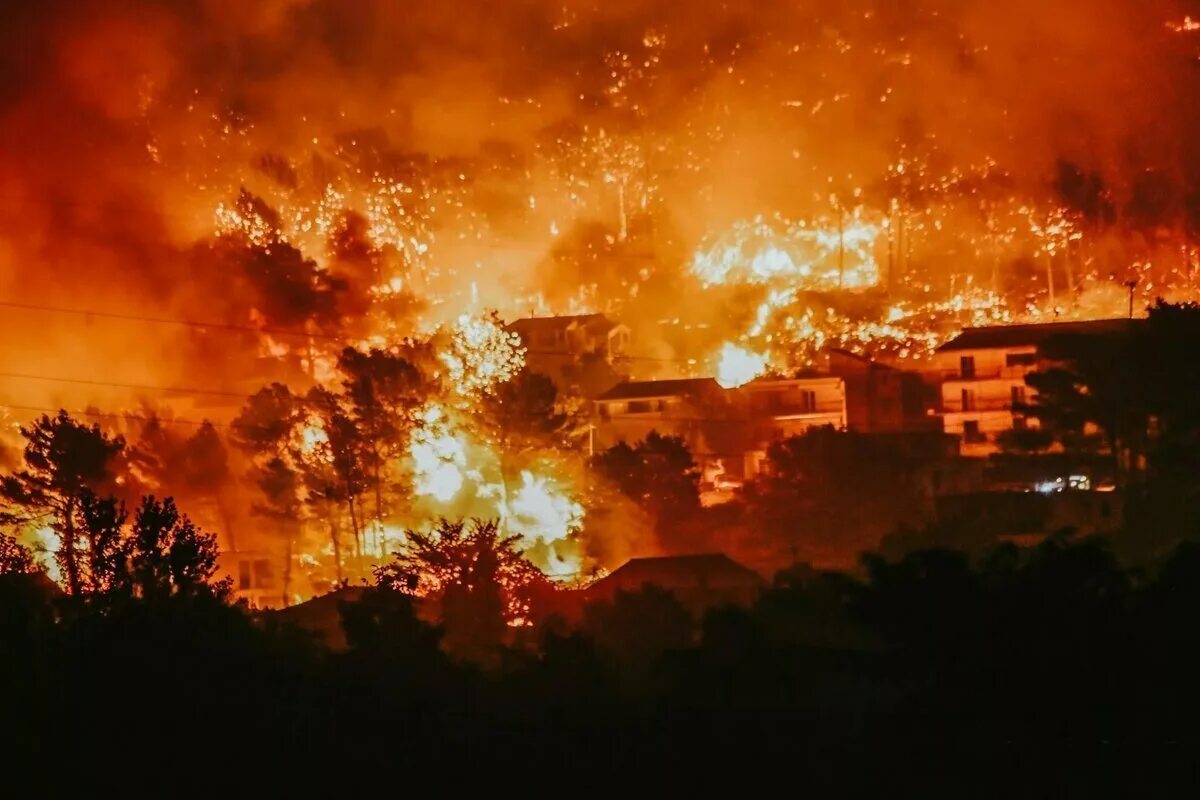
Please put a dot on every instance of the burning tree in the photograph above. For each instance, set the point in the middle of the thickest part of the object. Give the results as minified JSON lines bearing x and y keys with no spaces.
{"x":480,"y":579}
{"x":67,"y":463}
{"x":265,"y":431}
{"x":169,"y":555}
{"x":15,"y":558}
{"x":382,"y":391}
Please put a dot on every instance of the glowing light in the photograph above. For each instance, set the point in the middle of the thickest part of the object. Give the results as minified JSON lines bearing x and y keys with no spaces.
{"x":482,"y":355}
{"x":541,"y":511}
{"x":738,"y":366}
{"x":832,"y":255}
{"x":312,"y":440}
{"x":439,"y":456}
{"x":45,"y":543}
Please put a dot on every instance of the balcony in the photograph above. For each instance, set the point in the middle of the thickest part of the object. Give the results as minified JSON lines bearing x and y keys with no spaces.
{"x":957,"y":407}
{"x":994,"y":374}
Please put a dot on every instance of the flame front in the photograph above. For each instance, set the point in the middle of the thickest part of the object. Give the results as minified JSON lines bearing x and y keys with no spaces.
{"x":738,"y":366}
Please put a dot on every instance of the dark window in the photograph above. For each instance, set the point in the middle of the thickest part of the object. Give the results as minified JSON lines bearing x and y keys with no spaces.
{"x":640,"y":406}
{"x":1018,"y":396}
{"x":966,"y":367}
{"x":263,"y":577}
{"x":971,"y":431}
{"x":245,"y":577}
{"x":1020,"y":359}
{"x":968,"y":400}
{"x":808,"y":401}
{"x":1019,"y":423}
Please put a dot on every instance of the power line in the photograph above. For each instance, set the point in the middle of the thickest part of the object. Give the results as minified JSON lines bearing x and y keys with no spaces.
{"x":229,"y":326}
{"x":83,"y":312}
{"x":138,"y":386}
{"x":125,"y":416}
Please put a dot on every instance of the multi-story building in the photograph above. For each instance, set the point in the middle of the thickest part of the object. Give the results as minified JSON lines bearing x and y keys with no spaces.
{"x":881,"y":398}
{"x":689,"y":408}
{"x":779,"y":408}
{"x":983,"y":372}
{"x":583,"y":354}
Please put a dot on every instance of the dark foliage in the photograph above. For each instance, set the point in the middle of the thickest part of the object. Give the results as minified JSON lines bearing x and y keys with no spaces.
{"x":1054,"y":658}
{"x":658,"y":473}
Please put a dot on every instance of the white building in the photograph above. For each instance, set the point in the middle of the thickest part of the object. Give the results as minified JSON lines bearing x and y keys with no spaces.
{"x":983,"y":374}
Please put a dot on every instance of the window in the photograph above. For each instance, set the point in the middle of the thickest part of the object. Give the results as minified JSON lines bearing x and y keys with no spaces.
{"x":1019,"y":423}
{"x":1018,"y":396}
{"x":971,"y":432}
{"x":1020,"y":359}
{"x":264,"y":577}
{"x":255,"y":574}
{"x":640,"y":407}
{"x":966,"y":367}
{"x":807,"y":401}
{"x":968,"y":400}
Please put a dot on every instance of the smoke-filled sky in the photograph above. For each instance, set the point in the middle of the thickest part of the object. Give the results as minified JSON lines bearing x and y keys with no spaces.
{"x":123,"y":126}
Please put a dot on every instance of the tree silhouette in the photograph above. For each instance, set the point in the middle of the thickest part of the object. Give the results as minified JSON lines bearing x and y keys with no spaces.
{"x":380,"y":391}
{"x":194,"y":469}
{"x":169,"y":555}
{"x":335,"y":466}
{"x":64,"y":461}
{"x":831,"y":494}
{"x":524,"y":410}
{"x":658,"y":473}
{"x":15,"y":558}
{"x":480,"y":578}
{"x":105,"y":561}
{"x":266,"y":431}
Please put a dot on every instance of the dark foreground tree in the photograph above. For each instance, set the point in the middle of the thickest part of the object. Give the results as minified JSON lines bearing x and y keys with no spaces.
{"x":477,"y":576}
{"x":829,"y":495}
{"x":15,"y":558}
{"x":64,"y":461}
{"x":658,"y":473}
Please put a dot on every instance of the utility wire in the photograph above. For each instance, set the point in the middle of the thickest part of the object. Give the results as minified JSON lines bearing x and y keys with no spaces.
{"x":228,"y":326}
{"x":137,"y":386}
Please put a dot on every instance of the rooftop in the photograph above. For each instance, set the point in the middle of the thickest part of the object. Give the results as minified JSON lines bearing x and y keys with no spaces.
{"x":562,"y":323}
{"x":1032,"y":335}
{"x":638,"y":390}
{"x":711,"y":569}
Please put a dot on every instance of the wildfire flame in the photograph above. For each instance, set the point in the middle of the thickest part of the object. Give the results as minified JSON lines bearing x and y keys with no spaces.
{"x":482,"y":355}
{"x":738,"y":366}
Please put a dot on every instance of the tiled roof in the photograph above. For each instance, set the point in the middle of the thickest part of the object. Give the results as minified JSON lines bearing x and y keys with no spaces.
{"x":1032,"y":335}
{"x":635,"y":390}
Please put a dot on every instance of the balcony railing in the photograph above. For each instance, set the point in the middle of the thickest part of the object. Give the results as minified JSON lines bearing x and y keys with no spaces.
{"x":957,"y":406}
{"x":993,"y":374}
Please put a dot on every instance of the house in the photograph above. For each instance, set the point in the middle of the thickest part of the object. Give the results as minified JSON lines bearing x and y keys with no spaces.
{"x":256,"y":576}
{"x":693,"y":409}
{"x":983,"y":377}
{"x":778,"y":409}
{"x":584,"y":353}
{"x":320,"y":616}
{"x":698,"y":582}
{"x":881,"y":398}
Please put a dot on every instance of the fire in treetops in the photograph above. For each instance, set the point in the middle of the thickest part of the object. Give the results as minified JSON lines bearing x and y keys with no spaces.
{"x":203,"y":199}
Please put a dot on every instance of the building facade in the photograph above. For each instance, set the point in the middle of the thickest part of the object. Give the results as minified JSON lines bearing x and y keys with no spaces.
{"x":983,"y":372}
